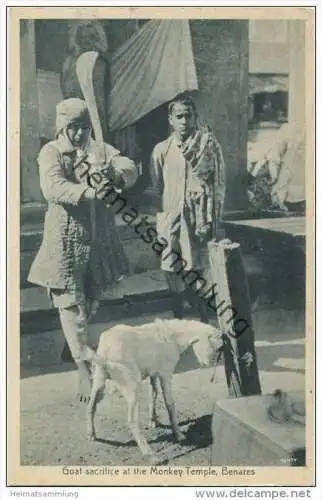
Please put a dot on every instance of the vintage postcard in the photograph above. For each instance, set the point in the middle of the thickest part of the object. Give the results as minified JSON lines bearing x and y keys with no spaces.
{"x":161,"y":228}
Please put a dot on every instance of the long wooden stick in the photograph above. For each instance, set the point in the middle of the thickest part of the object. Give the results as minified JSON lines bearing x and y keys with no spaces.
{"x":84,"y":70}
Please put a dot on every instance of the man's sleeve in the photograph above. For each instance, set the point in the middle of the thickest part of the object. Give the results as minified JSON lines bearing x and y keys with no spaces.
{"x":156,"y":164}
{"x":53,"y":182}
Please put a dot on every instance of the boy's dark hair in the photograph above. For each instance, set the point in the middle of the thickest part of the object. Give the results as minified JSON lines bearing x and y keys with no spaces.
{"x":183,"y":98}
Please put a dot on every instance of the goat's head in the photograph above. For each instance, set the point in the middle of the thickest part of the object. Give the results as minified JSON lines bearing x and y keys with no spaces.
{"x":206,"y":344}
{"x":205,"y":340}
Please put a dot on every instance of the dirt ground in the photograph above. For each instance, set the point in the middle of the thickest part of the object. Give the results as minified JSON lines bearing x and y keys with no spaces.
{"x":54,"y":433}
{"x":53,"y":424}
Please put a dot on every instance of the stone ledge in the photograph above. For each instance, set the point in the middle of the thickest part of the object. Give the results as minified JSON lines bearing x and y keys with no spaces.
{"x":38,"y":322}
{"x":36,"y":299}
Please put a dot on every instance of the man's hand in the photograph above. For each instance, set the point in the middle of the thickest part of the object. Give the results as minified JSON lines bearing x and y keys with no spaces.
{"x":108,"y":173}
{"x":113,"y":177}
{"x":89,"y":194}
{"x":103,"y":191}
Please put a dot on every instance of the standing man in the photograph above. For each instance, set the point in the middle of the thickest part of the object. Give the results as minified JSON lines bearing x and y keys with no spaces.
{"x":75,"y":262}
{"x":188,"y":174}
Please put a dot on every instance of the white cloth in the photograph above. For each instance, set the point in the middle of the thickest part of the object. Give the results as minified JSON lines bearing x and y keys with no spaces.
{"x":169,"y":170}
{"x":149,"y":69}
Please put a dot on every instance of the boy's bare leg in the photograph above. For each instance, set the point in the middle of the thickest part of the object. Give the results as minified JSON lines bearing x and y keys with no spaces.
{"x":84,"y":367}
{"x":74,"y":323}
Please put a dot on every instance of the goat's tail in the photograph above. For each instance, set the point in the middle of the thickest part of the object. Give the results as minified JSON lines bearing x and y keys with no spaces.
{"x":91,"y":356}
{"x":112,"y":370}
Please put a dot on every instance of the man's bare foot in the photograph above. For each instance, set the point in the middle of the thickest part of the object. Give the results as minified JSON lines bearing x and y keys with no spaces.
{"x":84,"y":382}
{"x":153,"y":423}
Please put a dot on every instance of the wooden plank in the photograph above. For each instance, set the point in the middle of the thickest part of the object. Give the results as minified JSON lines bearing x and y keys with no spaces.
{"x":233,"y":307}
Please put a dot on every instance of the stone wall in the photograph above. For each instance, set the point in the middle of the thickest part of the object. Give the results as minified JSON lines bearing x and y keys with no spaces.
{"x":221,"y":54}
{"x":29,"y":123}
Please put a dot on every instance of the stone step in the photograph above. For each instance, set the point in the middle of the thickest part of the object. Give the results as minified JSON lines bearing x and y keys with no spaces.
{"x":144,"y":292}
{"x":140,"y":254}
{"x":36,"y":299}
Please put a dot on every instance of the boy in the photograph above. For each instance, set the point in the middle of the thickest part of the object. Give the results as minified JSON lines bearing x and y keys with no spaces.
{"x":188,"y":173}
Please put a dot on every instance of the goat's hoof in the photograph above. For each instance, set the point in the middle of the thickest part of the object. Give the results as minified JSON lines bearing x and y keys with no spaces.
{"x":179,"y":437}
{"x":91,"y":436}
{"x":154,"y":424}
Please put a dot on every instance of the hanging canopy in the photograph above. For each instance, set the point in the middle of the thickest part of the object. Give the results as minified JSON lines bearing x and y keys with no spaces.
{"x":149,"y":69}
{"x":267,"y":84}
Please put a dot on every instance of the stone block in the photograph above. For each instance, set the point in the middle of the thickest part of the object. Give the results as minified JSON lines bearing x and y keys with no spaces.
{"x":243,"y":435}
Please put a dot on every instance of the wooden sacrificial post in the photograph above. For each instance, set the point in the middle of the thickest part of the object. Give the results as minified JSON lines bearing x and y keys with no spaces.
{"x":233,"y":308}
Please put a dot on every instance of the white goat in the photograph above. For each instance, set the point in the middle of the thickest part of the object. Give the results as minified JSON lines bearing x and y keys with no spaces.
{"x":129,"y":354}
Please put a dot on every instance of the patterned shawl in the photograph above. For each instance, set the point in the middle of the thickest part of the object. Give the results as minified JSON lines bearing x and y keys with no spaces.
{"x":204,"y":180}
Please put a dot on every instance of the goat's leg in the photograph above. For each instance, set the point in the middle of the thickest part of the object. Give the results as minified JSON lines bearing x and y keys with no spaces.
{"x":129,"y":384}
{"x":153,"y":394}
{"x":133,"y":421}
{"x":97,"y":387}
{"x":170,"y":405}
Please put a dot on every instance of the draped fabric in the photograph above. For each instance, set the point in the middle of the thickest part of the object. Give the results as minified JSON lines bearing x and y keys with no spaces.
{"x":126,"y":141}
{"x":149,"y":69}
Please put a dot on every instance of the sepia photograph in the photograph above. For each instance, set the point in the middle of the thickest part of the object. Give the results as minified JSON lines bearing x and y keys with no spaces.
{"x":164,"y":193}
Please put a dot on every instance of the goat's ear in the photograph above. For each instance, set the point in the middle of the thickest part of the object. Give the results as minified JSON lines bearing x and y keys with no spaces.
{"x":193,"y":340}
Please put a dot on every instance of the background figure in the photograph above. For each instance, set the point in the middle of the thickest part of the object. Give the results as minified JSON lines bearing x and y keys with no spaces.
{"x":188,"y":173}
{"x":275,"y":178}
{"x":88,"y":36}
{"x":288,"y":154}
